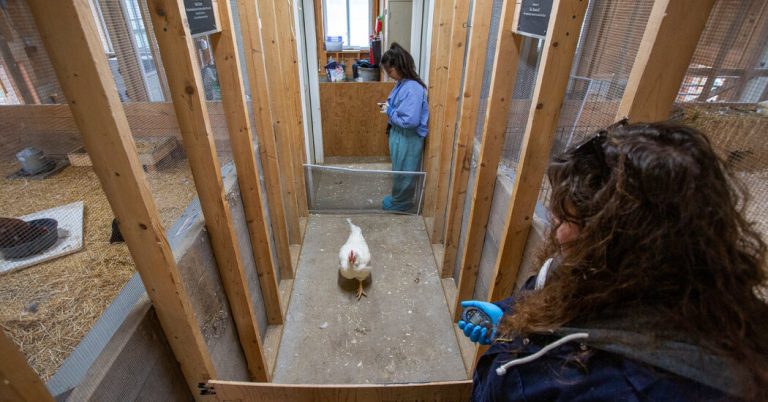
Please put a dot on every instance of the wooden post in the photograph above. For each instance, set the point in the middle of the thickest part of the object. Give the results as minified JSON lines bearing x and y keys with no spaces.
{"x":494,"y":128}
{"x":280,"y":112}
{"x":289,"y":65}
{"x":241,"y":137}
{"x":185,"y":82}
{"x":70,"y":36}
{"x":257,"y":80}
{"x":665,"y":52}
{"x":18,"y":382}
{"x":548,"y":96}
{"x":477,"y":49}
{"x":438,"y":75}
{"x":320,"y":35}
{"x":452,"y":93}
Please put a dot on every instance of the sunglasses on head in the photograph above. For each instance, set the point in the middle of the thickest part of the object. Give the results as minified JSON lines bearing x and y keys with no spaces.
{"x":593,"y":147}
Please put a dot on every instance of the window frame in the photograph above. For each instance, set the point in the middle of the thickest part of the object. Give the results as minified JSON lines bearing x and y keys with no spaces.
{"x":348,"y":37}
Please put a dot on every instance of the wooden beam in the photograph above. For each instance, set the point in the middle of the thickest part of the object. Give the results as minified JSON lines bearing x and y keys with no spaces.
{"x":257,"y":80}
{"x":665,"y":52}
{"x":320,"y":35}
{"x":70,"y":36}
{"x":450,"y":110}
{"x":548,"y":96}
{"x":467,"y":122}
{"x":448,"y":391}
{"x":289,"y":64}
{"x":494,"y":129}
{"x":437,"y":78}
{"x":227,"y":62}
{"x":280,"y":113}
{"x":185,"y":82}
{"x":18,"y":382}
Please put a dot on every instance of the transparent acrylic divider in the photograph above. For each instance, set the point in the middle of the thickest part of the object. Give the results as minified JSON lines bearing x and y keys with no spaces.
{"x":334,"y":189}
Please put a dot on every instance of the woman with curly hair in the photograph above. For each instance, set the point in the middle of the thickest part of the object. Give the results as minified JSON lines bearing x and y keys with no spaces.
{"x":652,"y":293}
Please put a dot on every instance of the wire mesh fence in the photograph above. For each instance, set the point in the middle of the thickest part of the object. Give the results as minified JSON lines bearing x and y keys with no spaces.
{"x":609,"y":41}
{"x":62,"y":261}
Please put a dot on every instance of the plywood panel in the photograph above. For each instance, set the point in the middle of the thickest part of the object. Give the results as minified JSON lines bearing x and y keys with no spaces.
{"x":439,"y":391}
{"x":352,"y":123}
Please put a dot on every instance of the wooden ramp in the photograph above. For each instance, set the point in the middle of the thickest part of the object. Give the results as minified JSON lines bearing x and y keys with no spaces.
{"x":401,"y":333}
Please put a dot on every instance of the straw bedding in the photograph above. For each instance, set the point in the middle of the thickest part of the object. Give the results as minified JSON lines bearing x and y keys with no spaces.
{"x":47,"y":309}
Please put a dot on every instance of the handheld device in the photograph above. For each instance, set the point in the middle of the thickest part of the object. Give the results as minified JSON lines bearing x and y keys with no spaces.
{"x":477,"y":317}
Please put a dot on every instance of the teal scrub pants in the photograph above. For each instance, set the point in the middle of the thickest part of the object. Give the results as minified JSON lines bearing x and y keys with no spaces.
{"x":405,"y":149}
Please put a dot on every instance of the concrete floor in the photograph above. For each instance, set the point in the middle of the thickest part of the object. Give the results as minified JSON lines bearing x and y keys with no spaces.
{"x":402,"y":332}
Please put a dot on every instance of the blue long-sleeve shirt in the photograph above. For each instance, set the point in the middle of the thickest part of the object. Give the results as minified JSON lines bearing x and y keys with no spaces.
{"x":408,"y":106}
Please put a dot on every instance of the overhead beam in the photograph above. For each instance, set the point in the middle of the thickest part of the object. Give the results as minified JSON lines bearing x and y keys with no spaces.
{"x":72,"y":41}
{"x":668,"y":44}
{"x":227,"y":62}
{"x":451,"y":96}
{"x":494,"y":128}
{"x":477,"y":49}
{"x":185,"y":82}
{"x":548,"y":96}
{"x":18,"y":382}
{"x":263,"y":119}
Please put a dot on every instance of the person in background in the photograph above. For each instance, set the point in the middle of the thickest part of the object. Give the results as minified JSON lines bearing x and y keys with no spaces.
{"x":407,"y":112}
{"x":653,"y":292}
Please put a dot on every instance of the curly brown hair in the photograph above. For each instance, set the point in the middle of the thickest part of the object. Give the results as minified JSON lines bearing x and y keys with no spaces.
{"x":661,"y":227}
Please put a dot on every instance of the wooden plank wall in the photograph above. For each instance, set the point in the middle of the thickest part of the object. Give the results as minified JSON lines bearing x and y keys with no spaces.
{"x":457,"y":391}
{"x":477,"y":48}
{"x":352,"y":123}
{"x":447,"y":122}
{"x":438,"y":76}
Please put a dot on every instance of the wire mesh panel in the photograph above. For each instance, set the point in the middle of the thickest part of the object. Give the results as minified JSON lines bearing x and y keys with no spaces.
{"x":522,"y":96}
{"x":62,"y":261}
{"x":347,"y":190}
{"x":609,"y":41}
{"x":727,"y":75}
{"x":729,"y":64}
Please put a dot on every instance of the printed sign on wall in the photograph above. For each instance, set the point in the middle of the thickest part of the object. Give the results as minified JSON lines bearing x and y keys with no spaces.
{"x":201,"y":17}
{"x":534,"y":18}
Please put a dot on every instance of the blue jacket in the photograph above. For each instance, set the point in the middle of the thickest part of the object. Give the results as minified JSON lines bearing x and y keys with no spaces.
{"x":408,"y":106}
{"x":617,"y":362}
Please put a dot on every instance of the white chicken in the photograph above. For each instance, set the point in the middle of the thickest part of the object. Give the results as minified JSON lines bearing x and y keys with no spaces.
{"x":354,"y":258}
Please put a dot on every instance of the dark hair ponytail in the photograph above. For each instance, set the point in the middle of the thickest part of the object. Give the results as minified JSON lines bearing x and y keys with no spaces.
{"x":400,"y":59}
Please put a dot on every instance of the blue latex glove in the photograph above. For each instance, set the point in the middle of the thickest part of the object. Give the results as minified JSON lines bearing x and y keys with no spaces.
{"x":480,"y":334}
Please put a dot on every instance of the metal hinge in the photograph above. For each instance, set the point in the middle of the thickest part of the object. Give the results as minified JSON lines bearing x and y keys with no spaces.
{"x":206,"y":389}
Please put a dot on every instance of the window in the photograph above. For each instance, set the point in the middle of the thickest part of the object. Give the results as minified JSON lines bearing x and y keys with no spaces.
{"x":143,"y":51}
{"x":350,"y":19}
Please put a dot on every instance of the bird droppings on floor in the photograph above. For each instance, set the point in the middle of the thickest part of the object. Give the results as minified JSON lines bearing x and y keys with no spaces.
{"x":401,"y":332}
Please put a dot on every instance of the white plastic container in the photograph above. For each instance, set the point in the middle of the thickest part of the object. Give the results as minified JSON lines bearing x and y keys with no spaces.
{"x":333,"y":43}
